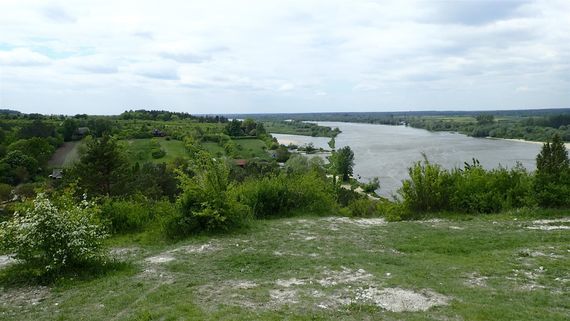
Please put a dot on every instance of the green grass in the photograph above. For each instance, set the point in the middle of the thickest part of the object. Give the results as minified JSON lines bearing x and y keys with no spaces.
{"x":139,"y":150}
{"x":214,"y":148}
{"x":247,"y":148}
{"x":525,"y":274}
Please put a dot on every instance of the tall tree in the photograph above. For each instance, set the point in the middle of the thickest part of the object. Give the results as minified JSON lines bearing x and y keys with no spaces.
{"x":342,"y":162}
{"x":102,"y":168}
{"x":552,"y":179}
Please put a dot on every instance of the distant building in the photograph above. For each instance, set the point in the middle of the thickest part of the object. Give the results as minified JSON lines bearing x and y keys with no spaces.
{"x":80,"y":133}
{"x":240,"y":162}
{"x":158,"y":133}
{"x":56,"y":174}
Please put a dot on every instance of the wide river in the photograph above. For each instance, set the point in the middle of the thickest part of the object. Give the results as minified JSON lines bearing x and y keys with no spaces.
{"x":387,"y":152}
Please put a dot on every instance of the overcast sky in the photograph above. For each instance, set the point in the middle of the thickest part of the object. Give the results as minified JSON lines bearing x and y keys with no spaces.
{"x":235,"y":56}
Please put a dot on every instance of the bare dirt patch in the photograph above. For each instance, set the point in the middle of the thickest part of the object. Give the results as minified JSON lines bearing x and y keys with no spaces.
{"x":65,"y":155}
{"x":476,"y":280}
{"x":400,"y":300}
{"x":124,"y":252}
{"x":362,"y":222}
{"x":23,"y":297}
{"x":548,"y":225}
{"x":161,"y":258}
{"x":332,"y":289}
{"x":197,"y":248}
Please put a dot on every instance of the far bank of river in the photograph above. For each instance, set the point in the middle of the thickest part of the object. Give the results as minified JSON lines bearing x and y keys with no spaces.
{"x":388,"y":151}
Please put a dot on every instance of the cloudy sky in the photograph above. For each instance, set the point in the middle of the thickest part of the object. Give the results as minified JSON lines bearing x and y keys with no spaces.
{"x":229,"y":56}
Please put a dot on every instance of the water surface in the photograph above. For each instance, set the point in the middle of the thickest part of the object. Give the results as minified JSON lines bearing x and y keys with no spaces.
{"x":386,"y":152}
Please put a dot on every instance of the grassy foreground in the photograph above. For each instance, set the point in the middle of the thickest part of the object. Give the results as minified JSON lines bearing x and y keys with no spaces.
{"x":485,"y":268}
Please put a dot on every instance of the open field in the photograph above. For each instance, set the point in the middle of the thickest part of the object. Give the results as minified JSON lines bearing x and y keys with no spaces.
{"x":249,"y":148}
{"x":65,"y":155}
{"x":485,"y":268}
{"x":246,"y":148}
{"x":139,"y":150}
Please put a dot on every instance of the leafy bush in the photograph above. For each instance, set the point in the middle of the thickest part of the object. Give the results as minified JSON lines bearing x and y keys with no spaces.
{"x":127,"y":215}
{"x":364,"y":207}
{"x":371,"y":186}
{"x":471,"y":189}
{"x":158,"y":153}
{"x":5,"y":192}
{"x":205,"y":204}
{"x":281,"y":194}
{"x":53,"y":236}
{"x":426,"y":189}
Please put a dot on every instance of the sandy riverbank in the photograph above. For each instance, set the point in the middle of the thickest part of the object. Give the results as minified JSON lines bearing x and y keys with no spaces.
{"x":525,"y":141}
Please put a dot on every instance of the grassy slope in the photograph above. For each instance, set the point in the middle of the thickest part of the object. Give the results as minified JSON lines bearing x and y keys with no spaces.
{"x":234,"y":277}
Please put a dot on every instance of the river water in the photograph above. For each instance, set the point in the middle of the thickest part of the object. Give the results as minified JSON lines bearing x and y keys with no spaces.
{"x":387,"y":152}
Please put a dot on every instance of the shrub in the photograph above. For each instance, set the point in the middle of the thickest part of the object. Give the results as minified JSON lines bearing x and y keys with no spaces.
{"x":158,"y":153}
{"x":5,"y":192}
{"x":371,"y":186}
{"x":364,"y":207}
{"x":127,"y":215}
{"x":53,"y":236}
{"x":281,"y":194}
{"x":425,"y":190}
{"x":205,"y":204}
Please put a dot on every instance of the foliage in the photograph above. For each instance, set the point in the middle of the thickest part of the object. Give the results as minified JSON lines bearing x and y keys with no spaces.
{"x":36,"y":147}
{"x":17,"y":167}
{"x":363,"y":207}
{"x":54,"y":235}
{"x":5,"y":192}
{"x":552,"y":179}
{"x":372,"y":185}
{"x":101,"y":169}
{"x":281,"y":194}
{"x":205,"y":204}
{"x":471,"y":189}
{"x":342,"y":162}
{"x":154,"y":181}
{"x":425,"y":190}
{"x":131,"y":214}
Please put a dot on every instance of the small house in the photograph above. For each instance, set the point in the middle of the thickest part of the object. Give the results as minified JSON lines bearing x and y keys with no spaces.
{"x":56,"y":174}
{"x":80,"y":133}
{"x":158,"y":133}
{"x":240,"y":162}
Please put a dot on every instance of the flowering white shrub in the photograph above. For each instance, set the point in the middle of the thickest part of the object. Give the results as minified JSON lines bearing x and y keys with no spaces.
{"x":53,"y":236}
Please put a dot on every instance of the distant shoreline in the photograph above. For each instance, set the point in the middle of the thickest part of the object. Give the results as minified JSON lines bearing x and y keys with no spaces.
{"x":524,"y":141}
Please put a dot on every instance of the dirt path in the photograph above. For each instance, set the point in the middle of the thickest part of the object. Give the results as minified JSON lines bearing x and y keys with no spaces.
{"x":65,"y":155}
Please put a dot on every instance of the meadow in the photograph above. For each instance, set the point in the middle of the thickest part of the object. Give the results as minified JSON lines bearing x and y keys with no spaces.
{"x":508,"y":266}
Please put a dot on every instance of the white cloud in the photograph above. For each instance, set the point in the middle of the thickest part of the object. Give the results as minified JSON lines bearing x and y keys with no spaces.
{"x":22,"y":57}
{"x":263,"y":55}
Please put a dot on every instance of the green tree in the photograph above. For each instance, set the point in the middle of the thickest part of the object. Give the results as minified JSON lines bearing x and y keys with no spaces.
{"x":233,"y":128}
{"x":484,"y":119}
{"x":102,"y":167}
{"x":552,"y":179}
{"x":342,"y":162}
{"x":68,"y":128}
{"x":38,"y":148}
{"x":17,"y":167}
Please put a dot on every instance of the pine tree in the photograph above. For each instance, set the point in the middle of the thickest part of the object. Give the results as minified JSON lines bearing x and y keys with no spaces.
{"x":552,"y":179}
